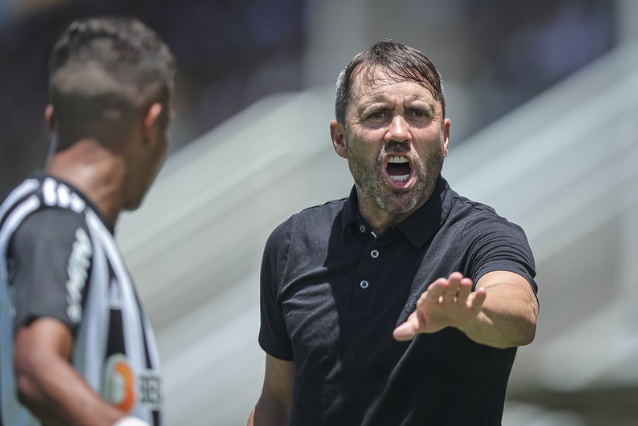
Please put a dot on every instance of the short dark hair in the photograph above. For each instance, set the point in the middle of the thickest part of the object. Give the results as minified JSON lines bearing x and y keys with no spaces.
{"x":395,"y":58}
{"x":114,"y":63}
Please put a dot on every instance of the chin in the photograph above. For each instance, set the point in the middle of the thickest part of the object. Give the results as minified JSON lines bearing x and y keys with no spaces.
{"x":132,"y":206}
{"x":398,"y":204}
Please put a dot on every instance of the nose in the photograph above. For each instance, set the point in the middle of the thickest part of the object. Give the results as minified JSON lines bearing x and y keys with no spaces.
{"x":398,"y":130}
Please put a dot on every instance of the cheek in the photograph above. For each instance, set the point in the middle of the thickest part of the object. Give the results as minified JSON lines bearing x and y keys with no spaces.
{"x":361,"y":153}
{"x":364,"y":145}
{"x":433,"y":142}
{"x":162,"y":148}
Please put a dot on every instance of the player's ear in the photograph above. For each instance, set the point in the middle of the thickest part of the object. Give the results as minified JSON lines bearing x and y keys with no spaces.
{"x":153,"y":121}
{"x":338,"y":135}
{"x":49,"y":120}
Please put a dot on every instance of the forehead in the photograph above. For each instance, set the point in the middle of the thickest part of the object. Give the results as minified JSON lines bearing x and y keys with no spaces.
{"x":378,"y":84}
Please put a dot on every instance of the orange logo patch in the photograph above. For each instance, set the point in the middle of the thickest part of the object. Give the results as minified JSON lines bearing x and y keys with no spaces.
{"x":118,"y":384}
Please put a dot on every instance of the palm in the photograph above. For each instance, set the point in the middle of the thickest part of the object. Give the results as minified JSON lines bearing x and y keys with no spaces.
{"x":447,"y":302}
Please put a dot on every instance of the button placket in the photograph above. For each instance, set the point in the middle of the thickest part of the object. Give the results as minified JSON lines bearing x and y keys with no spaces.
{"x":361,"y":296}
{"x":365,"y":285}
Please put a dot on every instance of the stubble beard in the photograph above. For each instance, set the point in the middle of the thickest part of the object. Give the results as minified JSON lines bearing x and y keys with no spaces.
{"x":371,"y":182}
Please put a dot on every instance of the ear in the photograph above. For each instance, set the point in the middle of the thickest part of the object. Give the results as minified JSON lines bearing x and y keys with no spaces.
{"x":49,"y":121}
{"x":152,"y":121}
{"x":446,"y":134}
{"x":338,"y":135}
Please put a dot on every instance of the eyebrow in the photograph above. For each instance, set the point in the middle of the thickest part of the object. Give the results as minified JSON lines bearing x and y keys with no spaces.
{"x":371,"y":107}
{"x":379,"y":102}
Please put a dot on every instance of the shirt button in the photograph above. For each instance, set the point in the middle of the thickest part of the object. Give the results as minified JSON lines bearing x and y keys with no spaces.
{"x":374,"y":253}
{"x":362,"y":228}
{"x":364,"y":284}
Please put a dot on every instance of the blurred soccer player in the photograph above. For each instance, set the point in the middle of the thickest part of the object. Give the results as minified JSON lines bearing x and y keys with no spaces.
{"x":77,"y":346}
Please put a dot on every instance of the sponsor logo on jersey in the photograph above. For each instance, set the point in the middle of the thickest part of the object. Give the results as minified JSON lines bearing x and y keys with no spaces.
{"x":78,"y":270}
{"x":150,"y":389}
{"x":118,"y":383}
{"x":123,"y":389}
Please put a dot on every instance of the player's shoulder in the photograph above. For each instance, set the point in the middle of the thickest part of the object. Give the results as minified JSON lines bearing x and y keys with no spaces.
{"x":41,"y":191}
{"x":43,"y":208}
{"x":318,"y":215}
{"x":56,"y":194}
{"x":311,"y":220}
{"x":49,"y":223}
{"x":469,"y":210}
{"x":478,"y":219}
{"x":463,"y":205}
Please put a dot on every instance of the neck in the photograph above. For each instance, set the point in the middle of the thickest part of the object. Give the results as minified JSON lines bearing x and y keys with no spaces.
{"x":379,"y":219}
{"x":94,"y":170}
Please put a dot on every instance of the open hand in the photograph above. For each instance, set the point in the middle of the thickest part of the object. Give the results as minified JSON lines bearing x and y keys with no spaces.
{"x":446,"y":302}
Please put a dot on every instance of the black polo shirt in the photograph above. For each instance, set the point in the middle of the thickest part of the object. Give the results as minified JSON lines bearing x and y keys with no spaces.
{"x":332,"y":293}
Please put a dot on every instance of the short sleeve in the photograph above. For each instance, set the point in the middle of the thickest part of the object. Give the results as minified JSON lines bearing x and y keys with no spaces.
{"x":496,"y":244}
{"x":51,"y":253}
{"x":273,"y":335}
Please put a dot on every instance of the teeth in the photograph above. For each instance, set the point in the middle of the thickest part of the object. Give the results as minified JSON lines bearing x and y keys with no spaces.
{"x":398,"y":160}
{"x":401,"y":178}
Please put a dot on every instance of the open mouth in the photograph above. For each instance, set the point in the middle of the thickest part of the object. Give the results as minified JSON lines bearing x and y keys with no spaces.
{"x":398,"y":170}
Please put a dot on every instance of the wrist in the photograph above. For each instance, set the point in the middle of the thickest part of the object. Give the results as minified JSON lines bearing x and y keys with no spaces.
{"x":130,"y":421}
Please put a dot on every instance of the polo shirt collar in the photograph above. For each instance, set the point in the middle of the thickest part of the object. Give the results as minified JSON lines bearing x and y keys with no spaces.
{"x":419,"y":227}
{"x":351,"y":212}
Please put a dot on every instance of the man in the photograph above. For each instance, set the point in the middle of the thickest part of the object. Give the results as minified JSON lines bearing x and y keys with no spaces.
{"x":404,"y":303}
{"x":77,"y":346}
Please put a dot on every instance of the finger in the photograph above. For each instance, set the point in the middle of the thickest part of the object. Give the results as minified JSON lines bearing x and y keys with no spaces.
{"x":455,"y":276}
{"x":453,"y":286}
{"x":408,"y":329}
{"x":434,"y":292}
{"x":465,"y":288}
{"x":476,"y":299}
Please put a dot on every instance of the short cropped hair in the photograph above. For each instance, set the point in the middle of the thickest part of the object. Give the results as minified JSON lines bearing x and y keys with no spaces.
{"x":114,"y":64}
{"x":396,"y":59}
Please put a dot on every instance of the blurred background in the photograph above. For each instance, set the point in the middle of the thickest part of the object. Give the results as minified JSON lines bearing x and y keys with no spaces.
{"x":543,"y":101}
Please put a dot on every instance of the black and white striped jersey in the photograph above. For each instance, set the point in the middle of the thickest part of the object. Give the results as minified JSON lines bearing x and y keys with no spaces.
{"x":58,"y":259}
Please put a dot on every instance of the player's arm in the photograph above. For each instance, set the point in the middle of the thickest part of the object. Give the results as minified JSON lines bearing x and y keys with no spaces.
{"x":502,"y":312}
{"x":48,"y":385}
{"x":509,"y":313}
{"x":275,"y":402}
{"x":46,"y":381}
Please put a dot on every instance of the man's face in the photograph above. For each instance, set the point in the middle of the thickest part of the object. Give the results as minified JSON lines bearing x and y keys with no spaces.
{"x":395,"y":141}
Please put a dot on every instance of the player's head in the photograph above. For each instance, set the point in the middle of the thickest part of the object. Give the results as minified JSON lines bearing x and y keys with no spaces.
{"x":395,"y":59}
{"x":104,"y":73}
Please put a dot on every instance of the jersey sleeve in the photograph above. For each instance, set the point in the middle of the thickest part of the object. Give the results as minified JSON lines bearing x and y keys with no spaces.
{"x":494,"y":244}
{"x":51,"y":253}
{"x":273,"y":335}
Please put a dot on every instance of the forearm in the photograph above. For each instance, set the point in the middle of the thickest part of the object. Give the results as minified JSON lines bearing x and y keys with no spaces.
{"x":508,"y":316}
{"x":269,"y":414}
{"x":56,"y":394}
{"x":48,"y":385}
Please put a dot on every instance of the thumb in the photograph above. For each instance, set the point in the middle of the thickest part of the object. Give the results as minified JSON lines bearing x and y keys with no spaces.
{"x":408,"y":329}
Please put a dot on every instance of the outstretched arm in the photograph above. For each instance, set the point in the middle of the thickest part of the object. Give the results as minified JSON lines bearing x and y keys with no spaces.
{"x":47,"y":383}
{"x":501,"y":312}
{"x":275,"y":402}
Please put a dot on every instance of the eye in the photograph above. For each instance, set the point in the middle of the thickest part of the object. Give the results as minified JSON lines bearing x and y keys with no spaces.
{"x":419,"y":113}
{"x":377,"y":115}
